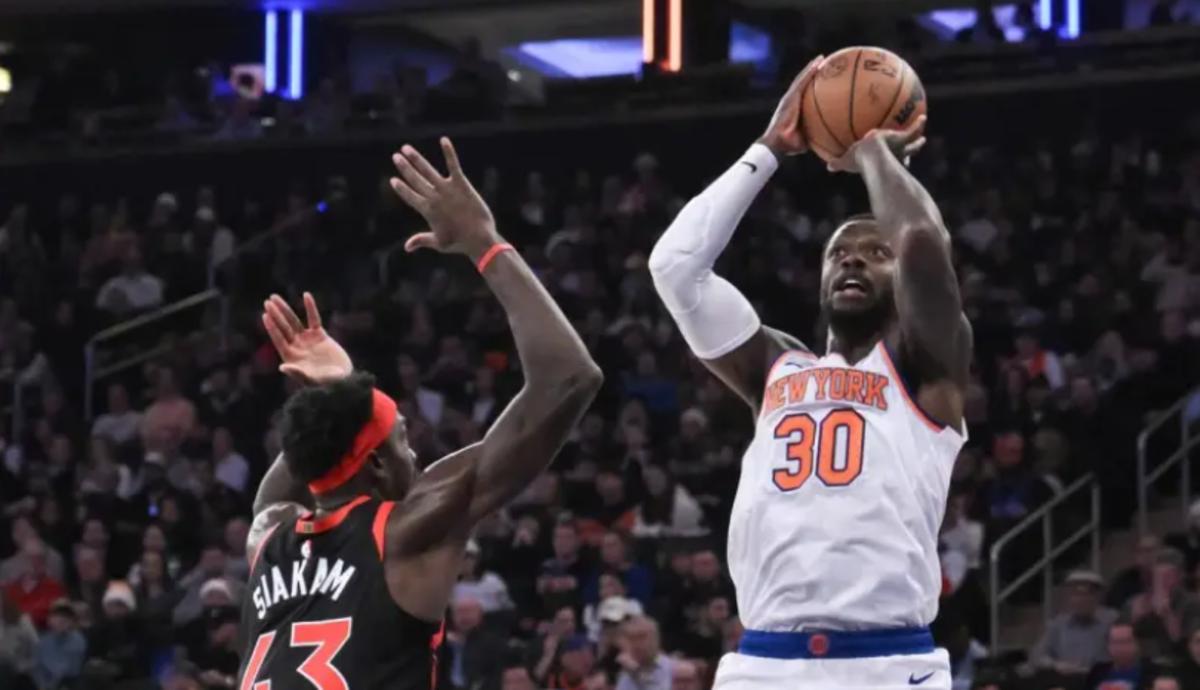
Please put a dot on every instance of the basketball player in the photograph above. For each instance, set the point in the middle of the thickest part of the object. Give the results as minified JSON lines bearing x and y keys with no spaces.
{"x":833,"y":535}
{"x":353,"y":552}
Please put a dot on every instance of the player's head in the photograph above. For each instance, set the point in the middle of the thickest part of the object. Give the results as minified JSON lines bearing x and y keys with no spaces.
{"x":347,"y":431}
{"x":857,"y":268}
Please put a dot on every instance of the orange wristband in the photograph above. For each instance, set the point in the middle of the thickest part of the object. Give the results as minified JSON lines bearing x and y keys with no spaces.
{"x":491,"y":254}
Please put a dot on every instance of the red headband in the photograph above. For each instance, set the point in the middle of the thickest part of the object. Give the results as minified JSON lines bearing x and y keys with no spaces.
{"x":373,"y":433}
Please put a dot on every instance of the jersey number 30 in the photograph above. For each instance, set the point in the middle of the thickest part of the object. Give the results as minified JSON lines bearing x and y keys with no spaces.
{"x":804,"y":436}
{"x":326,"y":637}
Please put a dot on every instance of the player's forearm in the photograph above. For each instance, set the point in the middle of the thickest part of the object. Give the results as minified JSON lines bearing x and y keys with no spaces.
{"x":713,"y":316}
{"x":899,"y":201}
{"x":695,"y":239}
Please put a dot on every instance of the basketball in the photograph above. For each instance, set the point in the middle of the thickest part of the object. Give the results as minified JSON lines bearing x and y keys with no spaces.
{"x":859,"y":89}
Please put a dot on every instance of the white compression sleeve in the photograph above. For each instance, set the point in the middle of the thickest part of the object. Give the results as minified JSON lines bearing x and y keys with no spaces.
{"x":713,"y":316}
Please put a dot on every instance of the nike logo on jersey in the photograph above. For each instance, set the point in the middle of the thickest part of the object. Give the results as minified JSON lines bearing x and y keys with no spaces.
{"x":827,"y":383}
{"x":753,"y":167}
{"x":914,"y":680}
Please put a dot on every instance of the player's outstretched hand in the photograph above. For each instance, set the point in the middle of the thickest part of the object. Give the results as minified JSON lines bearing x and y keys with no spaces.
{"x":309,"y":354}
{"x":459,"y":219}
{"x":785,"y":133}
{"x":903,"y":143}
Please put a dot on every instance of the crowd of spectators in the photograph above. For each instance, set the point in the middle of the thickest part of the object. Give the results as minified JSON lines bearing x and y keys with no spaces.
{"x":123,"y":535}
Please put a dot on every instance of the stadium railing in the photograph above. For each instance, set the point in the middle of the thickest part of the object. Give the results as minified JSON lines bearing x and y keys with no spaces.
{"x":1051,"y":551}
{"x":1184,"y":412}
{"x":96,"y":370}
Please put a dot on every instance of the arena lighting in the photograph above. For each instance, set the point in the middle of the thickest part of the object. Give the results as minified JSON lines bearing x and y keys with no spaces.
{"x":675,"y":37}
{"x":270,"y":49}
{"x":1045,"y":13}
{"x":647,"y":31}
{"x":1073,"y":18}
{"x":296,"y":55}
{"x":5,"y":80}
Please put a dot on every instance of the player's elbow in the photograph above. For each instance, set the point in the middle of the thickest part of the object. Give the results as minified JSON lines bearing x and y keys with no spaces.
{"x":578,"y":388}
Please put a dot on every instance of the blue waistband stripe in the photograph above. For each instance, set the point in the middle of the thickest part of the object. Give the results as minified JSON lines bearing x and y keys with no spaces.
{"x":837,"y":645}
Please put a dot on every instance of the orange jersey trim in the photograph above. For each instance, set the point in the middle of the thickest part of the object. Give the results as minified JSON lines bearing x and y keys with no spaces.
{"x":308,"y":525}
{"x":379,"y":528}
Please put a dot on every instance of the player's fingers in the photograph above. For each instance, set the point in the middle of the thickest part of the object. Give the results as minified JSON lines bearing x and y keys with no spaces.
{"x":288,"y":315}
{"x":808,"y":73}
{"x":281,"y":322}
{"x":916,"y":130}
{"x":311,"y":312}
{"x":914,"y":147}
{"x":408,"y":194}
{"x":413,"y":177}
{"x":451,"y":157}
{"x":422,"y":165}
{"x":277,"y":339}
{"x":421,"y":240}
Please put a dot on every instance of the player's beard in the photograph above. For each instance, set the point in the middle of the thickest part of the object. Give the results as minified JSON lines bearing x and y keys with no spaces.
{"x":853,"y":326}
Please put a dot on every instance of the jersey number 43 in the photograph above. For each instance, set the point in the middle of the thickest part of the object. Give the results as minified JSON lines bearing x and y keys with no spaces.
{"x":812,"y":446}
{"x":327,"y":638}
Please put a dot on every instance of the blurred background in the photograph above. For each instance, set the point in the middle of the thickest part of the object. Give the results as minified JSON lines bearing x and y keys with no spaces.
{"x":164,"y":166}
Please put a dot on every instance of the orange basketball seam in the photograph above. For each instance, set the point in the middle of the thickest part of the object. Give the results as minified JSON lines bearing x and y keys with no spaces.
{"x":853,"y":80}
{"x":821,"y":117}
{"x":903,"y":73}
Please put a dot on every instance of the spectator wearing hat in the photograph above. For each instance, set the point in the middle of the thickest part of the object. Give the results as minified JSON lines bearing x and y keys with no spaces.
{"x":117,"y":647}
{"x":1077,"y":639}
{"x":643,"y":665}
{"x":60,"y":650}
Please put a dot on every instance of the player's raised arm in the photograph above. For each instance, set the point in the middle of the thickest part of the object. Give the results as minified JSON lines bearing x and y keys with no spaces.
{"x":934,"y":332}
{"x":308,"y":355}
{"x":560,"y":377}
{"x":717,"y":321}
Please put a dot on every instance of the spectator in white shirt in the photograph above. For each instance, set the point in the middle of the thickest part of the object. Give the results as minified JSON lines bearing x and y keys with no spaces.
{"x":481,"y":585}
{"x":230,"y":467}
{"x":119,"y":424}
{"x":133,"y":290}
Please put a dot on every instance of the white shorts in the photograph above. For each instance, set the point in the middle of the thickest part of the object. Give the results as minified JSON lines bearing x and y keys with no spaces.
{"x":929,"y":671}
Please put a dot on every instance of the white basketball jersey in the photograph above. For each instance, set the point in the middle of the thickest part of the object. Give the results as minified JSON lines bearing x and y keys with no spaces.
{"x":842,"y":492}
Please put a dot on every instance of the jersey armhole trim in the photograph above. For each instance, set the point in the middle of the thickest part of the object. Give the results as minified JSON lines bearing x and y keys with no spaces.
{"x":379,"y":528}
{"x":262,"y":544}
{"x":928,"y":419}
